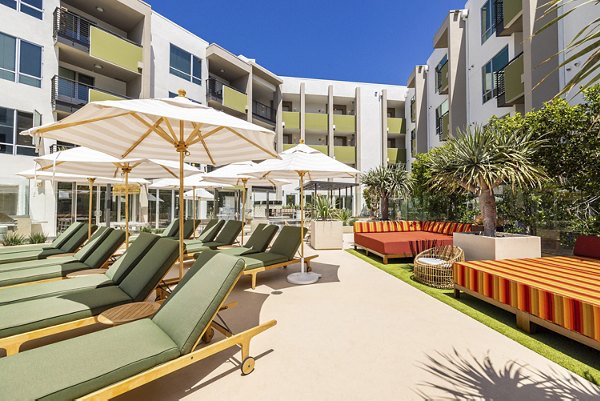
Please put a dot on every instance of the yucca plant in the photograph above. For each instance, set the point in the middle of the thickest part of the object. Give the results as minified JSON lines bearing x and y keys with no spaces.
{"x":480,"y":160}
{"x":344,"y":215}
{"x":37,"y":238}
{"x":585,"y":43}
{"x":323,"y":208}
{"x":13,"y":239}
{"x":387,"y":182}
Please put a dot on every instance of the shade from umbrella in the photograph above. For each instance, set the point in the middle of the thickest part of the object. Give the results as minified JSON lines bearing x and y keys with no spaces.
{"x":297,"y":163}
{"x":156,"y":128}
{"x":89,"y":162}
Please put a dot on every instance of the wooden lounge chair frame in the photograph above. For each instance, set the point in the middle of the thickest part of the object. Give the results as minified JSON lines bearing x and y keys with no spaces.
{"x":253,"y":272}
{"x":12,"y":344}
{"x":231,"y":340}
{"x":527,"y":321}
{"x":385,"y":257}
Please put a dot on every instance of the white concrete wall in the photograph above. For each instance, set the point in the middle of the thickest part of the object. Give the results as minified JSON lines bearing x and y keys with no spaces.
{"x":165,"y":32}
{"x":478,"y":54}
{"x":29,"y":99}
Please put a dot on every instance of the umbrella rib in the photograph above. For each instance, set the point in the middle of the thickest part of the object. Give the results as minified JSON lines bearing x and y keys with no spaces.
{"x":156,"y":129}
{"x":50,"y":166}
{"x":140,"y":139}
{"x":77,"y":123}
{"x":250,"y":142}
{"x":171,"y":130}
{"x":169,"y":171}
{"x":197,"y":128}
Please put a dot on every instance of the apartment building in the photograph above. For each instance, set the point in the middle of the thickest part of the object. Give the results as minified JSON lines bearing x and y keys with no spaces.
{"x":487,"y":61}
{"x":58,"y":55}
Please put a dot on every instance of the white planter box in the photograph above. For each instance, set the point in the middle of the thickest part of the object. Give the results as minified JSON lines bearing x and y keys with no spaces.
{"x":348,"y":229}
{"x":504,"y":246}
{"x":326,"y":234}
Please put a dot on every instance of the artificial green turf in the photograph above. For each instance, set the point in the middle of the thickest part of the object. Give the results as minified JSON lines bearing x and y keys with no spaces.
{"x":576,"y":357}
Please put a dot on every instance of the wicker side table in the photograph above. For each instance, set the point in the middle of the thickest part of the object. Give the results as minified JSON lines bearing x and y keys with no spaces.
{"x":433,"y":267}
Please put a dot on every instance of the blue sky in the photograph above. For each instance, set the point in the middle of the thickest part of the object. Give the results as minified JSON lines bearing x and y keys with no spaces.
{"x":366,"y":41}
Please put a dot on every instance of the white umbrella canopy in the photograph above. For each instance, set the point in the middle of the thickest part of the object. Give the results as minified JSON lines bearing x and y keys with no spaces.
{"x":156,"y":128}
{"x":198,"y":193}
{"x":296,"y":163}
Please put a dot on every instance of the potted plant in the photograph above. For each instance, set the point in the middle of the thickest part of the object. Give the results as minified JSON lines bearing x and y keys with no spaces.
{"x":345,"y":216}
{"x":481,"y":161}
{"x":325,"y":231}
{"x":385,"y":183}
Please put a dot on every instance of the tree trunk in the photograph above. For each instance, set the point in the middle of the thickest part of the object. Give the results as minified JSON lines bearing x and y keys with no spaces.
{"x":385,"y":205}
{"x":487,"y":204}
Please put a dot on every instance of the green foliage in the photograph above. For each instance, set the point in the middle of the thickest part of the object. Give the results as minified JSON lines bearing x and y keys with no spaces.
{"x":371,"y":202}
{"x":387,"y":183}
{"x":344,"y":215}
{"x":37,"y":238}
{"x":146,"y":229}
{"x":13,"y":239}
{"x":323,"y":208}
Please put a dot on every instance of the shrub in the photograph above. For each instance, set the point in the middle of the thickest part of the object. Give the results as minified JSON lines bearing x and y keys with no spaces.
{"x":37,"y":238}
{"x":345,"y":216}
{"x":13,"y":239}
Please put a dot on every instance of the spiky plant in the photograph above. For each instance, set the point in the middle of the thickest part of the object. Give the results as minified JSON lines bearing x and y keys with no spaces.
{"x":13,"y":239}
{"x":387,"y":182}
{"x":37,"y":238}
{"x":323,"y":208}
{"x":480,"y":160}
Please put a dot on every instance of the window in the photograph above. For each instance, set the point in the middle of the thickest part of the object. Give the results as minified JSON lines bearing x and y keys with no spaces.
{"x":20,"y":59}
{"x":488,"y":74}
{"x":488,"y":20}
{"x":442,"y":121}
{"x":286,"y":106}
{"x":413,"y":143}
{"x":185,"y":65}
{"x":11,"y":123}
{"x":413,"y":109}
{"x":30,"y":7}
{"x":441,"y":74}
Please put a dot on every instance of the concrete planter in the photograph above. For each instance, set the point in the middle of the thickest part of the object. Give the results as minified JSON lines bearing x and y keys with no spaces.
{"x":348,"y":229}
{"x":503,"y":246}
{"x":326,"y":234}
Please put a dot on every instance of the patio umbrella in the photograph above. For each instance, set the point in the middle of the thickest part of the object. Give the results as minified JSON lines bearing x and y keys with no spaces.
{"x":194,"y":182}
{"x":36,"y":174}
{"x":297,"y":163}
{"x":157,"y":128}
{"x":234,"y":174}
{"x":88,"y":162}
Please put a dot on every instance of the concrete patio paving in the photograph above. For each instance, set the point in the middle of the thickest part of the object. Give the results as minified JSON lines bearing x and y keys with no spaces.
{"x":361,"y":334}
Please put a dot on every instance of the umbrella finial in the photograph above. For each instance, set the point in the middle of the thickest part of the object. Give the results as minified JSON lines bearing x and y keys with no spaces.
{"x":181,"y":92}
{"x":301,"y":140}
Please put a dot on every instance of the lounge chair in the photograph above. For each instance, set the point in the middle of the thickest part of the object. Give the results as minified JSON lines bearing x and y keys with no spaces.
{"x":209,"y":233}
{"x":108,"y":244}
{"x":37,"y":318}
{"x":170,"y":231}
{"x":259,"y":241}
{"x":104,"y":364}
{"x":281,"y":254}
{"x":57,"y":243}
{"x":73,"y":242}
{"x":227,"y":236}
{"x":90,"y":245}
{"x":113,"y":276}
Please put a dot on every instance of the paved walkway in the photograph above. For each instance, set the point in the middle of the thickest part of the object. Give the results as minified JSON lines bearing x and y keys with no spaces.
{"x":361,"y":334}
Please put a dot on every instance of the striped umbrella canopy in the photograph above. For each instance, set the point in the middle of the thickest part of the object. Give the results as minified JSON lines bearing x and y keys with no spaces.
{"x":161,"y":129}
{"x":91,"y":163}
{"x":297,"y":163}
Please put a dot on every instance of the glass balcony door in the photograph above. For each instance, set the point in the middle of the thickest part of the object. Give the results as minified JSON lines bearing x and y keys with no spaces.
{"x":74,"y":85}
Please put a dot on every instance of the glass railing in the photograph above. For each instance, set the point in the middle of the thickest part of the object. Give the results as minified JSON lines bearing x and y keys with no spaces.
{"x":263,"y":111}
{"x":74,"y":95}
{"x":226,"y":95}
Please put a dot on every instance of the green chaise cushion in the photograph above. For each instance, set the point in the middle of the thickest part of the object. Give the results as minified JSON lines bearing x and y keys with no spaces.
{"x":29,"y":255}
{"x":171,"y":230}
{"x":65,"y":235}
{"x":209,"y":233}
{"x":58,"y":241}
{"x":263,"y":259}
{"x":97,"y":238}
{"x":105,"y":249}
{"x":77,"y":238}
{"x":132,"y":256}
{"x":188,"y":229}
{"x":204,"y":286}
{"x":261,"y":237}
{"x":21,"y":317}
{"x":287,"y":242}
{"x":20,"y":276}
{"x":229,"y":233}
{"x":70,"y":369}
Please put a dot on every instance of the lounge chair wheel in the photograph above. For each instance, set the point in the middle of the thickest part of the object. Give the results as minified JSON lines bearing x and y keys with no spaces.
{"x":248,"y":365}
{"x":208,"y":335}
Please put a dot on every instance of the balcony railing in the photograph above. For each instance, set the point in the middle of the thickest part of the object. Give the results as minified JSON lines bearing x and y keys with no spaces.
{"x":508,"y":14}
{"x":68,"y":95}
{"x":72,"y":27}
{"x":442,"y":78}
{"x":263,"y":111}
{"x":226,"y":95}
{"x":509,"y":87}
{"x":442,"y":126}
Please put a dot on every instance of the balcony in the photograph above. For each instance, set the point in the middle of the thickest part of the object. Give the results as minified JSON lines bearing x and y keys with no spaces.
{"x":442,"y":79}
{"x":442,"y":126}
{"x":291,"y":119}
{"x":227,"y":96}
{"x":344,"y":123}
{"x":263,"y":112}
{"x":79,"y":33}
{"x":69,"y":96}
{"x":345,"y":154}
{"x":509,"y":17}
{"x":509,"y":83}
{"x":396,"y":155}
{"x":396,"y":125}
{"x":316,"y":122}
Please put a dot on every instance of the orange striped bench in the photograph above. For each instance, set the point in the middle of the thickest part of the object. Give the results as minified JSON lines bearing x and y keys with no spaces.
{"x":560,"y":293}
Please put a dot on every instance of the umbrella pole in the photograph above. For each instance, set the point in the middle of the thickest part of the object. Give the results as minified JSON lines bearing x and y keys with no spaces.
{"x":126,"y":170}
{"x":182,"y":149}
{"x":194,"y":209}
{"x":243,"y":214}
{"x":301,"y":173}
{"x":91,"y":186}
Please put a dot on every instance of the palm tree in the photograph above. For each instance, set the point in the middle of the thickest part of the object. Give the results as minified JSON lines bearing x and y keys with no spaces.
{"x":387,"y":182}
{"x":484,"y":159}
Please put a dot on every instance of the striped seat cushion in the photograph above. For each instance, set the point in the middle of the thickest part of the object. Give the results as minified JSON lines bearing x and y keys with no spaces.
{"x":563,"y":290}
{"x":386,"y":226}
